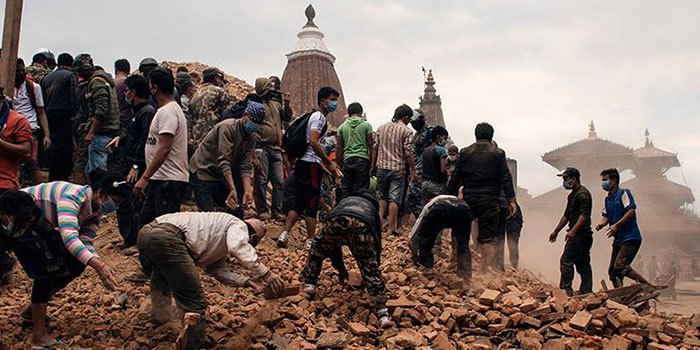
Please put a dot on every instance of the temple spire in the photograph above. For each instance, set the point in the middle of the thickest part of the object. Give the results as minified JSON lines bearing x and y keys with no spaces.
{"x":430,"y":102}
{"x":310,"y":15}
{"x":647,"y":139}
{"x":591,"y":131}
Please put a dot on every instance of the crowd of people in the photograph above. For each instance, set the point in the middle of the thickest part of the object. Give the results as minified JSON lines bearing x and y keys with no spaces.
{"x":140,"y":144}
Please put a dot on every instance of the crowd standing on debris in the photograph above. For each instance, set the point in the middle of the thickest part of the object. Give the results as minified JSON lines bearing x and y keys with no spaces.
{"x":141,"y":144}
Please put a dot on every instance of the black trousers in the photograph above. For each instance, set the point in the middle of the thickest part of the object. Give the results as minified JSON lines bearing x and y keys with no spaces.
{"x":485,"y":208}
{"x":60,"y":160}
{"x":128,"y":219}
{"x":577,"y":253}
{"x":162,"y":197}
{"x":356,"y":175}
{"x":441,"y":217}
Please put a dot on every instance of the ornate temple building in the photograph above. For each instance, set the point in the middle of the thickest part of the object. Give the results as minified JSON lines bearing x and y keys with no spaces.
{"x":310,"y":67}
{"x":430,"y":102}
{"x":668,"y":229}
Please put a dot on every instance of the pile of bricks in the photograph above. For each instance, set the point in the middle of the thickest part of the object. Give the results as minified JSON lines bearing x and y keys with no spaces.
{"x":235,"y":87}
{"x":502,"y":311}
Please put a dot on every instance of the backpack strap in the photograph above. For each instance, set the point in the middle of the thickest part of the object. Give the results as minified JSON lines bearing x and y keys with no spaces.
{"x":29,"y":85}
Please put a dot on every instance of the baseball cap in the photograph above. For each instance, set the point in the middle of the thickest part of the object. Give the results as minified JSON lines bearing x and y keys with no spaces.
{"x":571,"y":172}
{"x":210,"y":73}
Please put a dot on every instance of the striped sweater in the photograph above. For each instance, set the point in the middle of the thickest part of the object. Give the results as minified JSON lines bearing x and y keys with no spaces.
{"x":68,"y":207}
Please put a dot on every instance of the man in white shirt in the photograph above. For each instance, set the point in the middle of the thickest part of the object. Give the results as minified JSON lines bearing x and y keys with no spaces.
{"x":167,"y":172}
{"x":29,"y":101}
{"x":307,"y":169}
{"x":172,"y":246}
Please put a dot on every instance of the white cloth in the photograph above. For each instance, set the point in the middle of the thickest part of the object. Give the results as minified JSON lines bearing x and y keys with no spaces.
{"x":211,"y":237}
{"x":169,"y":119}
{"x":317,"y":121}
{"x":23,"y":105}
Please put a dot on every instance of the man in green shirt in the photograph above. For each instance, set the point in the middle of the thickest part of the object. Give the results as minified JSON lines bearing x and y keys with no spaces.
{"x":355,"y":149}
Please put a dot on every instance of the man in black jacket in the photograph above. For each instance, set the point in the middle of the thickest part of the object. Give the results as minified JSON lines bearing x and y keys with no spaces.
{"x":60,"y":100}
{"x":483,"y":172}
{"x":137,"y":94}
{"x":354,"y":222}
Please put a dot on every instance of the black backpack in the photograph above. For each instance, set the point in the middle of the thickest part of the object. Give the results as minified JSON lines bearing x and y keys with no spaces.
{"x":294,"y":139}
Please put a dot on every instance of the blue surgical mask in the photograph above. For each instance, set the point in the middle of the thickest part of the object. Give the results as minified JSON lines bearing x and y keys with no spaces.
{"x":606,"y":185}
{"x":567,"y":185}
{"x":108,"y":206}
{"x":442,"y":143}
{"x":251,"y":127}
{"x":332,"y":106}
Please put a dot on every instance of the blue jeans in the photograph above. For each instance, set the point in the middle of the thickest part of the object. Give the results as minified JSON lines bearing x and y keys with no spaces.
{"x":97,"y":154}
{"x":272,"y":164}
{"x":211,"y":195}
{"x":392,"y":184}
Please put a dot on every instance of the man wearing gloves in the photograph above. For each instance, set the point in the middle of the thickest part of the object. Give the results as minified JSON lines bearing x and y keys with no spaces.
{"x":174,"y":244}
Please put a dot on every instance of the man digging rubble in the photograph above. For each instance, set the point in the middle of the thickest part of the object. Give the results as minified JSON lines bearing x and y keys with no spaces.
{"x":439,"y":213}
{"x":354,"y":222}
{"x":174,"y":244}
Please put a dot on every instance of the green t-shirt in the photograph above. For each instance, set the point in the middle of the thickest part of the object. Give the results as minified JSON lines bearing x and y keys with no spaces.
{"x":355,"y":132}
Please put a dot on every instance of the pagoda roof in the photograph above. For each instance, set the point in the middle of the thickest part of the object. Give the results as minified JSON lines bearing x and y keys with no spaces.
{"x":592,"y":145}
{"x":649,"y":151}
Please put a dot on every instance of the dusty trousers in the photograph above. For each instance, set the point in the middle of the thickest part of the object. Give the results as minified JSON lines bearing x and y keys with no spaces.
{"x":164,"y":257}
{"x":577,"y":253}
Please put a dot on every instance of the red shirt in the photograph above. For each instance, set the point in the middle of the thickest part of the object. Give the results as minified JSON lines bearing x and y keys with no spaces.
{"x":17,"y":130}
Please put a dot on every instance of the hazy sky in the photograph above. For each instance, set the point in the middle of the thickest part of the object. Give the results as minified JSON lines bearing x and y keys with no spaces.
{"x":539,"y":71}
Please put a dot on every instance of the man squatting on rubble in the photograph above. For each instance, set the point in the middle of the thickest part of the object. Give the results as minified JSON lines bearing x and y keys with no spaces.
{"x":620,"y":215}
{"x":354,"y":222}
{"x":172,"y":246}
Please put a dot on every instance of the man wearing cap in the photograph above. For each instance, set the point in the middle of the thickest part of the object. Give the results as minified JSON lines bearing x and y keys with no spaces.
{"x":103,"y":112}
{"x":38,"y":70}
{"x":207,"y":104}
{"x":269,"y":150}
{"x":60,"y":98}
{"x":230,"y":142}
{"x":146,"y":65}
{"x":579,"y":236}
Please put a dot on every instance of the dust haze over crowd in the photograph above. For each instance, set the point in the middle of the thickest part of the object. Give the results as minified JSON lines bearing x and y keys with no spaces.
{"x":538,"y":71}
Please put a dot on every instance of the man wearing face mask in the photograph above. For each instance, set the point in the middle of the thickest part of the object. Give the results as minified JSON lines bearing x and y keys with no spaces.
{"x":621,"y":215}
{"x":307,"y":171}
{"x":29,"y":102}
{"x":174,"y":245}
{"x":579,"y":236}
{"x":15,"y":145}
{"x":435,"y":165}
{"x":136,"y":94}
{"x":232,"y":141}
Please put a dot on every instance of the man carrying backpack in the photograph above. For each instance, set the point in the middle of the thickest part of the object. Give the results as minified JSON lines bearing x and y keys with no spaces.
{"x":29,"y":102}
{"x":307,"y":170}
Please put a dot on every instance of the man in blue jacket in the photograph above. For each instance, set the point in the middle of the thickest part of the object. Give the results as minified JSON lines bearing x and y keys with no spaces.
{"x":621,"y":216}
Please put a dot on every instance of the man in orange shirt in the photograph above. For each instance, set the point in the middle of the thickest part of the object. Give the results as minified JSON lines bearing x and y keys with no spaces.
{"x":15,"y":145}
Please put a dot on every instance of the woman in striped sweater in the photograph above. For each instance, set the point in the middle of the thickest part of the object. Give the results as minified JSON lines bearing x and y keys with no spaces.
{"x":56,"y":243}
